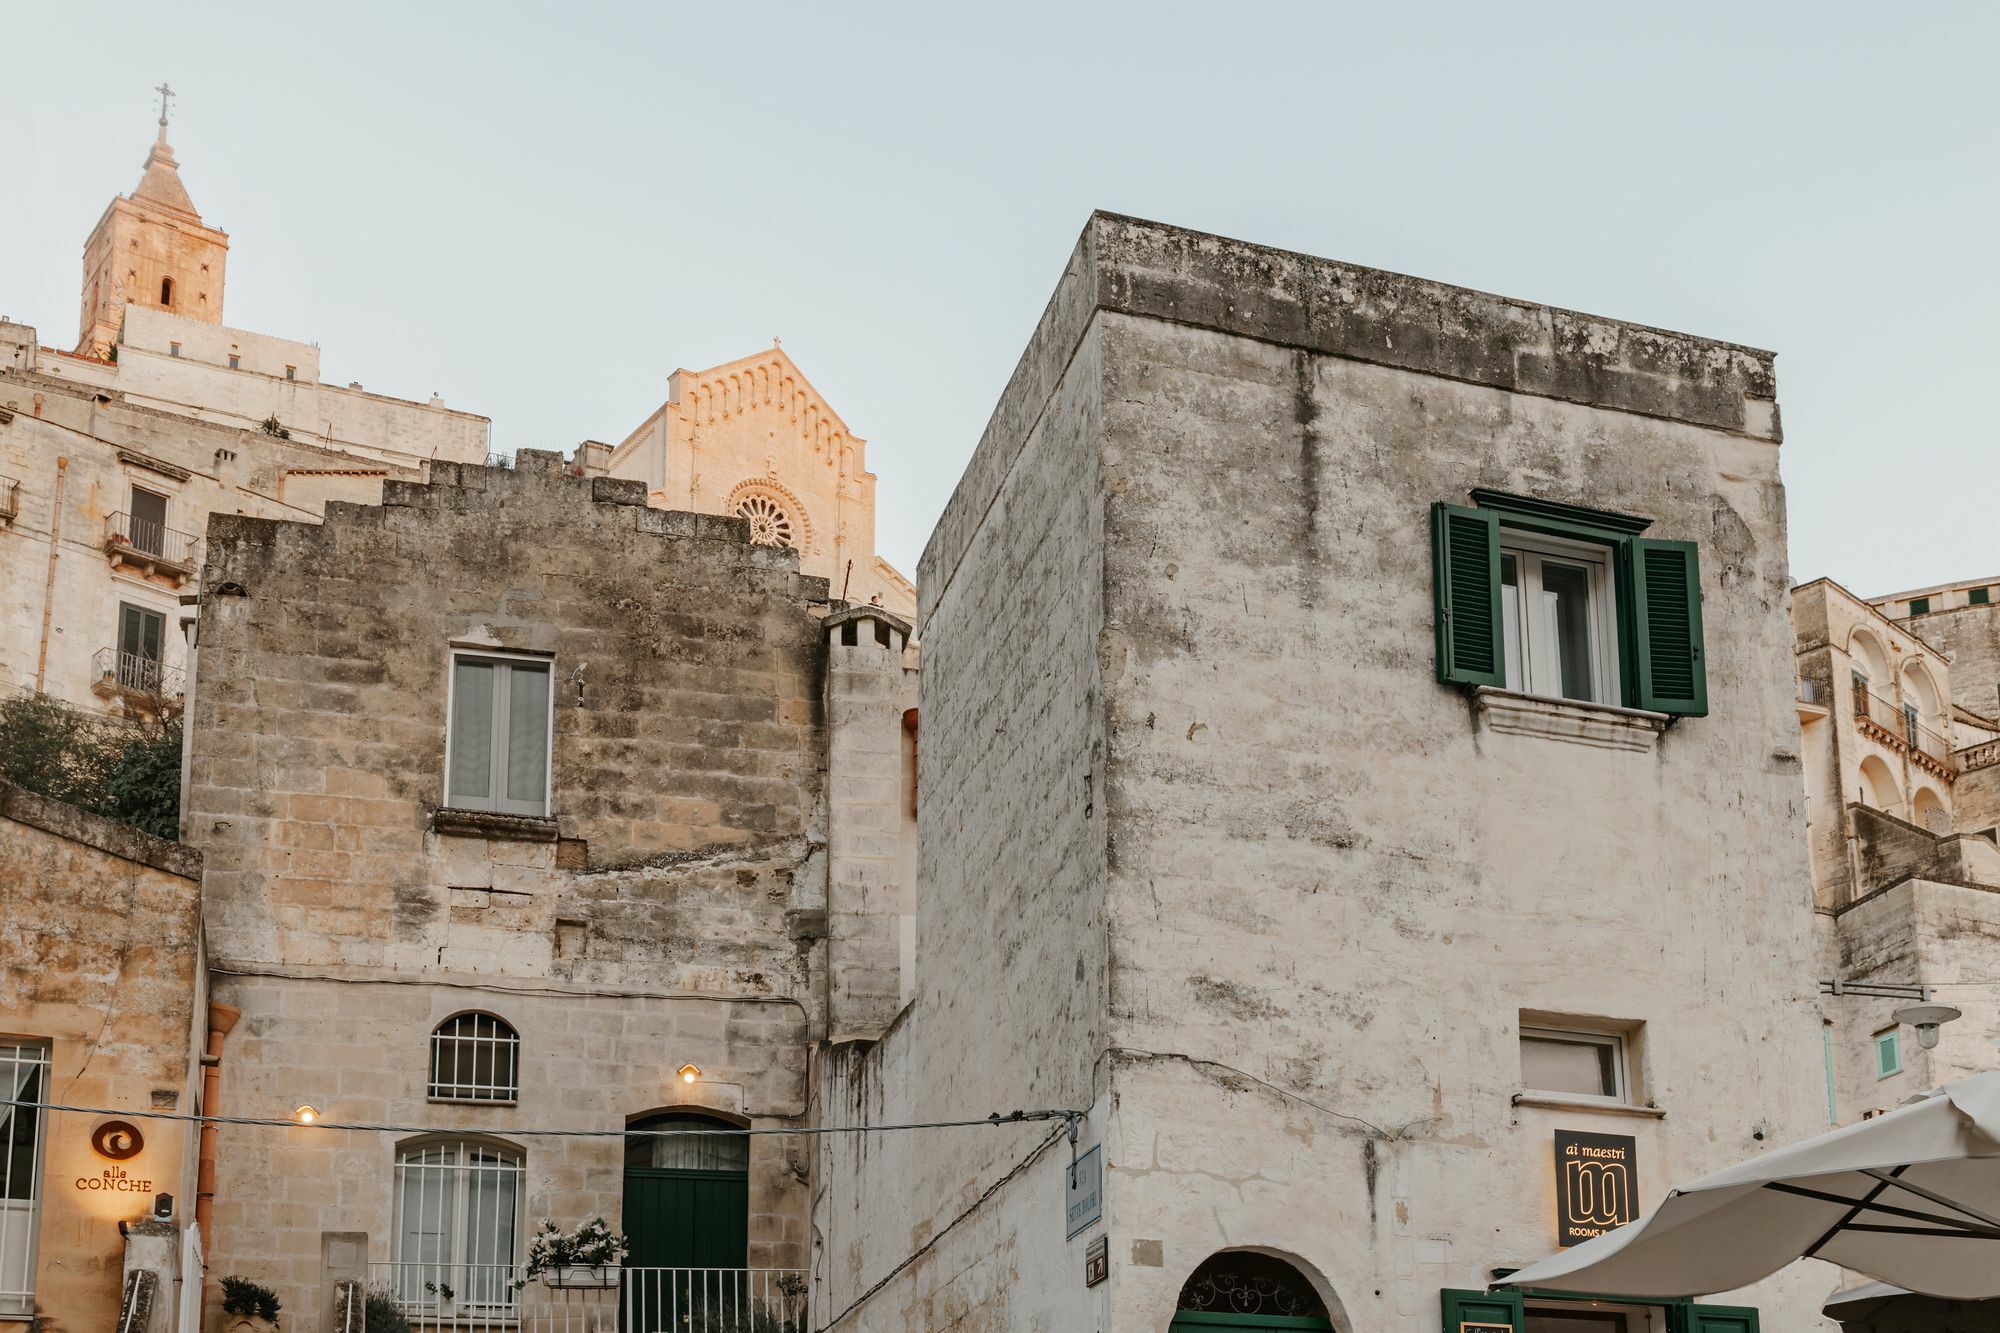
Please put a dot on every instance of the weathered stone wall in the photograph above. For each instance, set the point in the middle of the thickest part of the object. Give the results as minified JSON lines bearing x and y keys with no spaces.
{"x":1918,"y":933}
{"x":671,"y":911}
{"x":100,"y":955}
{"x":871,"y":701}
{"x":1331,"y":887}
{"x":1969,"y":636}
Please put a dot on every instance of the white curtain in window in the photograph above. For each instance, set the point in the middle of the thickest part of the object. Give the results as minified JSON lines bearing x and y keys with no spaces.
{"x":21,"y":1069}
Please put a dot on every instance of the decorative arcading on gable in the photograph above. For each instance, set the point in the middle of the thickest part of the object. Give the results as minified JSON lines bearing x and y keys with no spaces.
{"x":774,"y":385}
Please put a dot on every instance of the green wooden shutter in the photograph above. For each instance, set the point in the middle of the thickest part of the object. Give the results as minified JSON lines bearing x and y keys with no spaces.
{"x":1684,"y":1318}
{"x":1465,"y":579}
{"x":1664,"y":627}
{"x":1483,"y":1307}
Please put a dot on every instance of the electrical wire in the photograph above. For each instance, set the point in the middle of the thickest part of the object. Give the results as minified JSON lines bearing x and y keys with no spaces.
{"x":1010,"y":1118}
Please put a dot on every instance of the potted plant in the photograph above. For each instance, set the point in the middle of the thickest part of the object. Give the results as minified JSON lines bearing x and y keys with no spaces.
{"x":585,"y":1256}
{"x":248,"y":1305}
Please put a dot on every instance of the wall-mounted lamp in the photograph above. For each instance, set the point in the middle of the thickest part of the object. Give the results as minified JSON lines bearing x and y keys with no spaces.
{"x":689,"y":1072}
{"x":306,"y":1115}
{"x":1926,"y":1019}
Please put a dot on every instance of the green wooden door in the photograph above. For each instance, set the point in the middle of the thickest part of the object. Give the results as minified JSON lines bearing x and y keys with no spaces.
{"x":1205,"y":1321}
{"x":684,"y":1220}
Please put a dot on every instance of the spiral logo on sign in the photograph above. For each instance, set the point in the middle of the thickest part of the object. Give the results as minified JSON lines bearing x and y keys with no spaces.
{"x":117,"y":1139}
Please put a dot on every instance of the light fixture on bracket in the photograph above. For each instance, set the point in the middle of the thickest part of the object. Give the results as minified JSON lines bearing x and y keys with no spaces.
{"x":1927,"y":1019}
{"x":306,"y":1115}
{"x":689,"y":1073}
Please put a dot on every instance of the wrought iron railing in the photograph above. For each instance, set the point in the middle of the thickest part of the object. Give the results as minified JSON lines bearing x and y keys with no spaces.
{"x":1808,"y":690}
{"x":1902,"y":726}
{"x":10,"y":499}
{"x":133,"y":673}
{"x":130,"y":535}
{"x":501,"y":1298}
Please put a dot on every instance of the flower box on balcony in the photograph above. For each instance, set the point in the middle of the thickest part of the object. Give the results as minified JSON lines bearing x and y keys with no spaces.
{"x":576,"y":1276}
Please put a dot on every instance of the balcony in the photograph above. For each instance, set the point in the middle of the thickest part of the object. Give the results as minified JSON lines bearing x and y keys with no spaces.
{"x":494,"y":1298}
{"x":151,"y":548}
{"x":140,"y":684}
{"x":1899,"y":729}
{"x":1975,"y":757}
{"x":10,"y":499}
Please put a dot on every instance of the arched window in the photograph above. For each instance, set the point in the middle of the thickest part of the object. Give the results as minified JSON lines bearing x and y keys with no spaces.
{"x":1251,"y":1291}
{"x":166,"y":291}
{"x":712,"y":1149}
{"x":458,"y":1216}
{"x":1878,"y":786}
{"x":475,"y":1058}
{"x":1928,"y":811}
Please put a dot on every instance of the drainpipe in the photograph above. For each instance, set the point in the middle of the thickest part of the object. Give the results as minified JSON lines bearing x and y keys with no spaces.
{"x":221,"y":1018}
{"x":49,"y":587}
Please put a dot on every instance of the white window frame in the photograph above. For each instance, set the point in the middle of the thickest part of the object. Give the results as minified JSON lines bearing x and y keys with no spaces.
{"x":462,"y":1028}
{"x":20,"y":1219}
{"x":419,"y":1283}
{"x":498,"y":803}
{"x":1621,"y":1075}
{"x":1529,"y":659}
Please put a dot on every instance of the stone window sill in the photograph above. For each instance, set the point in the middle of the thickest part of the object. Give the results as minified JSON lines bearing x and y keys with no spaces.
{"x":492,"y":824}
{"x":1602,"y":726}
{"x":1584,"y":1104}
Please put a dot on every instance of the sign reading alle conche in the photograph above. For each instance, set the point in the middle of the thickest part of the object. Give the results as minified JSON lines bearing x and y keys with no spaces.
{"x":1596,"y":1180}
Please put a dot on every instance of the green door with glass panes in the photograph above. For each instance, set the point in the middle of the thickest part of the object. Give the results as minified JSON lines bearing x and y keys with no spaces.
{"x":687,"y":1227}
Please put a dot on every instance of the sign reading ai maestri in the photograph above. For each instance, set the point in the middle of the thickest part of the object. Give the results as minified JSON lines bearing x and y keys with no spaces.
{"x":1595,"y":1179}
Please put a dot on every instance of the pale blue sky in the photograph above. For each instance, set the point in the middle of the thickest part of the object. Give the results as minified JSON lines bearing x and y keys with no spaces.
{"x":540,"y":211}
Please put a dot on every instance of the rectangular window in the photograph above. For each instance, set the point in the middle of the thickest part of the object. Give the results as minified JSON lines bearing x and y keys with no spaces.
{"x":23,"y":1077}
{"x":497,"y":742}
{"x":457,"y":1210}
{"x":1978,"y":596}
{"x":141,"y":638}
{"x":1567,"y":603}
{"x":173,"y":349}
{"x":1919,"y":605}
{"x":235,"y":361}
{"x":1559,"y":619}
{"x":148,"y":526}
{"x":1565,"y":1062}
{"x":1888,"y":1054}
{"x":291,"y":372}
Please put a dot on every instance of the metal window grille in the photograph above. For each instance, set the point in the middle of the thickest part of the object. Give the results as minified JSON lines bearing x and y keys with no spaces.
{"x":457,"y":1217}
{"x":24,"y":1077}
{"x":475,"y":1058}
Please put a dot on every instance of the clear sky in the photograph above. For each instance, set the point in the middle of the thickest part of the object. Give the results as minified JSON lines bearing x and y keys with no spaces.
{"x":540,"y":211}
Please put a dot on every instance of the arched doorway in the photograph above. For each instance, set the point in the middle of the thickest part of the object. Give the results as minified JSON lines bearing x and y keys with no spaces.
{"x":1249,"y":1292}
{"x":686,"y":1220}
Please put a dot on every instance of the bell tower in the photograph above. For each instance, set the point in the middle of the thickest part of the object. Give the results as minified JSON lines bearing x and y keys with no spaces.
{"x":150,"y":248}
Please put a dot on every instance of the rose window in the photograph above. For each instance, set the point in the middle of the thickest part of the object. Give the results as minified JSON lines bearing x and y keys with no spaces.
{"x":770,"y":525}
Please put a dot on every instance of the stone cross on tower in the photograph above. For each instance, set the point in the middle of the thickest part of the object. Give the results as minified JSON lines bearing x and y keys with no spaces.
{"x":165,"y":93}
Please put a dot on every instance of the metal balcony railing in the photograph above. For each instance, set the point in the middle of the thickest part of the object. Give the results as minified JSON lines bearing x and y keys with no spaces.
{"x":131,"y":673}
{"x":1903,"y":728}
{"x":149,"y":541}
{"x":10,"y":499}
{"x":499,"y":1298}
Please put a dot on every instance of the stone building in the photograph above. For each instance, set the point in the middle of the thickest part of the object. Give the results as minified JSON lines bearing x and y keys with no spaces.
{"x":1902,"y":779}
{"x":525,"y":806}
{"x":755,"y":439}
{"x":1359,"y":764}
{"x":113,"y":456}
{"x":100,"y":995}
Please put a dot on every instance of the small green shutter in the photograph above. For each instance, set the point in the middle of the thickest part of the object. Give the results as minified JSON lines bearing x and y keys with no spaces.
{"x":1465,"y":579}
{"x":1664,"y":635}
{"x":1712,"y":1319}
{"x":1482,"y":1307}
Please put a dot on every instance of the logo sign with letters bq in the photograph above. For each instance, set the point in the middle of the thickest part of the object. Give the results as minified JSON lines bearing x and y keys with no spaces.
{"x":1083,"y":1199}
{"x":1596,"y":1178}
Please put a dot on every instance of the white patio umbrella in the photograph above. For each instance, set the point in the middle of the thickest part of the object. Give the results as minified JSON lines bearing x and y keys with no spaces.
{"x":1910,"y":1198}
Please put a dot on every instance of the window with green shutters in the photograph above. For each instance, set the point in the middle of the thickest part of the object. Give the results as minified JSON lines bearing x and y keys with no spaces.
{"x":1567,"y":602}
{"x":1978,"y":596}
{"x":1920,"y":606}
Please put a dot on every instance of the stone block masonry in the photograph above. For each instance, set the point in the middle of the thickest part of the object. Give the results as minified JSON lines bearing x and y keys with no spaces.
{"x":669,"y":907}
